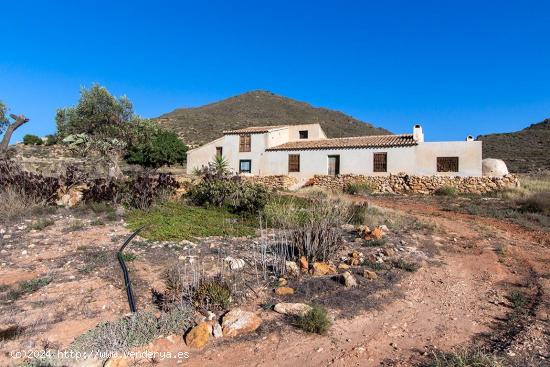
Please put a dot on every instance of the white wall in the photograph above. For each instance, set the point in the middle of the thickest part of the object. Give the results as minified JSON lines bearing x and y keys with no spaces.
{"x":198,"y":157}
{"x":314,"y":132}
{"x":468,"y":153}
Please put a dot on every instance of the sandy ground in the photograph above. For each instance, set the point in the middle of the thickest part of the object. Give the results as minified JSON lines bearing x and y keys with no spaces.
{"x":453,"y":299}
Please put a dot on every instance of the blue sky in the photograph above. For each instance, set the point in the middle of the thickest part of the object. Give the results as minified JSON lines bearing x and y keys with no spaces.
{"x":456,"y":67}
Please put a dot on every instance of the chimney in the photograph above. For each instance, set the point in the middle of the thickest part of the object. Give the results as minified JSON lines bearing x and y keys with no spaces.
{"x":469,"y":138}
{"x":418,"y":135}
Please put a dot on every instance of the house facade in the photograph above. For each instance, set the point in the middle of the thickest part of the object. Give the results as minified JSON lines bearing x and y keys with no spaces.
{"x":302,"y":151}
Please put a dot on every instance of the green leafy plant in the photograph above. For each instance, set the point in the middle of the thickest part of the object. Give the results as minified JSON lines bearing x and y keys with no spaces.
{"x":315,"y":320}
{"x":164,"y":148}
{"x":358,"y":188}
{"x":30,"y":139}
{"x":212,"y":294}
{"x":446,"y":191}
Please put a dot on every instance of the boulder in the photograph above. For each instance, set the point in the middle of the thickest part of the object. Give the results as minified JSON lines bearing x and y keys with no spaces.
{"x":321,"y":268}
{"x":304,"y":265}
{"x":217,"y":331}
{"x":493,"y":167}
{"x":343,"y":266}
{"x":349,"y":280}
{"x":234,"y":263}
{"x":284,"y":291}
{"x":292,"y":309}
{"x":198,"y":336}
{"x":376,"y":233}
{"x":237,"y":322}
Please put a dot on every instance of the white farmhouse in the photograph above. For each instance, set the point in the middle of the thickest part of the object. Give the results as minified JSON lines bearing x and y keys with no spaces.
{"x":302,"y":151}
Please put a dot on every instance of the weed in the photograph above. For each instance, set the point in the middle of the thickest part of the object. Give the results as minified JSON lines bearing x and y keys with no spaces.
{"x":111,"y":217}
{"x":129,"y":257}
{"x":75,"y":225}
{"x":26,"y":287}
{"x":213,"y":294}
{"x":42,"y":223}
{"x":463,"y":358}
{"x":375,"y":266}
{"x":517,"y":300}
{"x":358,"y":188}
{"x":97,"y":222}
{"x":99,"y":207}
{"x":315,"y":320}
{"x":176,"y":221}
{"x":446,"y":191}
{"x":16,"y":204}
{"x":405,"y":265}
{"x":538,"y":202}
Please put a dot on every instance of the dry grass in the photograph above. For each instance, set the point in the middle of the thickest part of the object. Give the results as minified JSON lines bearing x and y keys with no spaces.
{"x":15,"y":204}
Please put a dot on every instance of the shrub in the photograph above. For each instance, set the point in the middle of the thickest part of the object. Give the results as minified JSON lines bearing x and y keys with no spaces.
{"x":132,"y":331}
{"x":463,"y":358}
{"x":405,"y":265}
{"x":164,"y":148}
{"x":42,"y":223}
{"x":35,"y":186}
{"x":315,"y":320}
{"x":446,"y":191}
{"x":358,"y":188}
{"x":51,"y":140}
{"x":234,"y":194}
{"x":16,"y":204}
{"x":212,"y":294}
{"x":30,"y":139}
{"x":312,"y":224}
{"x":538,"y":202}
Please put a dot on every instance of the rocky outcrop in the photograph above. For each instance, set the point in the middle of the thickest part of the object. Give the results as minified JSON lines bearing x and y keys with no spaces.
{"x":401,"y":184}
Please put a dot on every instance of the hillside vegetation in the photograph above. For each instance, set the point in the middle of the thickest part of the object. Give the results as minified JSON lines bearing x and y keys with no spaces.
{"x":259,"y":108}
{"x":524,"y":151}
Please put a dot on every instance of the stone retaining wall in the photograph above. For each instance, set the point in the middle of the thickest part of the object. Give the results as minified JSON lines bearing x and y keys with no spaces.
{"x":418,"y":184}
{"x":272,"y":182}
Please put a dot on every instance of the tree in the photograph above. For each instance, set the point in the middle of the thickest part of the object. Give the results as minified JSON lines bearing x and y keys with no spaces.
{"x":165,"y":148}
{"x":7,"y":127}
{"x":30,"y":139}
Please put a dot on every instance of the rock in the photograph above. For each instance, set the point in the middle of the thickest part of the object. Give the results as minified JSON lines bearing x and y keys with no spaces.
{"x":237,"y":322}
{"x":198,"y":336}
{"x":304,"y":265}
{"x":369,"y":274}
{"x":73,"y":197}
{"x":292,"y":309}
{"x":384,"y":228}
{"x":217,"y":331}
{"x":349,"y":280}
{"x":211,"y":316}
{"x":493,"y":167}
{"x":282,"y":282}
{"x":321,"y":268}
{"x":348,"y":227}
{"x":292,"y":269}
{"x":388,"y":251}
{"x":343,"y":266}
{"x":376,"y":233}
{"x":234,"y":263}
{"x":284,"y":291}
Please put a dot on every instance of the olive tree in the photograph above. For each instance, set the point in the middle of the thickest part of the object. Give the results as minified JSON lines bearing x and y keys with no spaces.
{"x":8,"y":127}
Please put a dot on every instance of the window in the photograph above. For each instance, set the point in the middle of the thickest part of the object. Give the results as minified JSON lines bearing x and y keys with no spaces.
{"x":244,"y":143}
{"x":380,"y":162}
{"x":245,"y":166}
{"x":303,"y":134}
{"x":447,"y":164}
{"x":219,"y":151}
{"x":293,"y":163}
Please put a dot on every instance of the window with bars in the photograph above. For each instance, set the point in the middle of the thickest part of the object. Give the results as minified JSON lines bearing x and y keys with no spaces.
{"x":293,"y":163}
{"x":244,"y":143}
{"x":245,"y":166}
{"x":447,"y":164}
{"x":380,"y":162}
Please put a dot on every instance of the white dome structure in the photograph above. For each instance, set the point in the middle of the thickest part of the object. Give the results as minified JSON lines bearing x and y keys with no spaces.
{"x":494,"y":167}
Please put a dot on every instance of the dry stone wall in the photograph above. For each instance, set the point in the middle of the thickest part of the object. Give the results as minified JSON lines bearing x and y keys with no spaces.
{"x":280,"y":182}
{"x":400,"y":184}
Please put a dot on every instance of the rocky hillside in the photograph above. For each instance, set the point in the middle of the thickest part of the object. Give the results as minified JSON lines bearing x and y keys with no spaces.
{"x":524,"y":151}
{"x":259,"y":108}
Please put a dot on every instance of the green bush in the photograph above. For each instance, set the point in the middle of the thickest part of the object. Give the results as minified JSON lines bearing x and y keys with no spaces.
{"x":163,"y":149}
{"x":358,"y":188}
{"x":446,"y":191}
{"x":51,"y":140}
{"x":315,"y":320}
{"x":30,"y":139}
{"x":235,"y":195}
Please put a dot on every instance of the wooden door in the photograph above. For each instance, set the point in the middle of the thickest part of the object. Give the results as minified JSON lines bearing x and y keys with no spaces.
{"x":333,"y":165}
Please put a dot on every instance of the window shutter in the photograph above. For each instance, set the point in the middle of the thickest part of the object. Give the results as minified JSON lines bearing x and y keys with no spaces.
{"x":293,"y":163}
{"x":244,"y":143}
{"x":447,"y":164}
{"x":380,"y":162}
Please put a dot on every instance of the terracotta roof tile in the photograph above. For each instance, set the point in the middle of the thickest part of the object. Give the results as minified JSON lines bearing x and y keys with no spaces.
{"x":254,"y":130}
{"x":378,"y":141}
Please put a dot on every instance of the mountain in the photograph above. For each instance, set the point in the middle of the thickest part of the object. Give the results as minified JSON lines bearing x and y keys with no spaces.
{"x":524,"y":151}
{"x":259,"y":108}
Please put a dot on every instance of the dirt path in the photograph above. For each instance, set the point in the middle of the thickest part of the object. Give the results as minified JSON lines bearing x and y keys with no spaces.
{"x":444,"y":304}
